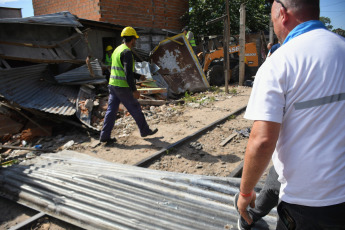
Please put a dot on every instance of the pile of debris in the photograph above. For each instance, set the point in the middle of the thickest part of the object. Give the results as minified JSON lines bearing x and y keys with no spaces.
{"x":48,"y":73}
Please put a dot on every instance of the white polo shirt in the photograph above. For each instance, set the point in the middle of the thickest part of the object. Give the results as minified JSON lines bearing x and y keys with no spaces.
{"x":302,"y":87}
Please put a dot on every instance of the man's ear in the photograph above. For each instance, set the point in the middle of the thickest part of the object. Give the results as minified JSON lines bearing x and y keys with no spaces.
{"x":284,"y":15}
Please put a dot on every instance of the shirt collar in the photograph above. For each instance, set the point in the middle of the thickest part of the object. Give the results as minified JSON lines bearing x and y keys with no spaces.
{"x":304,"y":28}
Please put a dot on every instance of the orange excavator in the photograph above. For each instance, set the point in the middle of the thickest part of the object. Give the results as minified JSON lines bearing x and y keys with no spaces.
{"x":212,"y":59}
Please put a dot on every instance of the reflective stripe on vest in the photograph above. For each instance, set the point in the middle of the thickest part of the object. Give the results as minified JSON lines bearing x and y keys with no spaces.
{"x":117,"y":74}
{"x":107,"y":60}
{"x":192,"y":41}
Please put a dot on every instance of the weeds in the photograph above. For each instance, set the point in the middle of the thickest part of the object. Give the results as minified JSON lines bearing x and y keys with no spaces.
{"x":232,"y":117}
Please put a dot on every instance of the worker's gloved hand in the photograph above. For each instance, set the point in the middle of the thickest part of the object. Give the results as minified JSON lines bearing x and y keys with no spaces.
{"x":142,"y":78}
{"x":136,"y":94}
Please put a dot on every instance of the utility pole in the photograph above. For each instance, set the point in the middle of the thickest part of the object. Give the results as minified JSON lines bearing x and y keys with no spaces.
{"x":226,"y":47}
{"x":271,"y":31}
{"x":242,"y":43}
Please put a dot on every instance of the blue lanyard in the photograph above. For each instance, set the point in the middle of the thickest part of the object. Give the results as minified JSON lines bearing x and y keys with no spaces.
{"x":304,"y":28}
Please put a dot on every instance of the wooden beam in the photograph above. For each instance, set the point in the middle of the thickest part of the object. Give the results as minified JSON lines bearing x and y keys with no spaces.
{"x":228,"y":139}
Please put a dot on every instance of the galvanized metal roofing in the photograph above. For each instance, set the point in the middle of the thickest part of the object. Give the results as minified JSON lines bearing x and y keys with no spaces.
{"x":95,"y":194}
{"x":26,"y":86}
{"x":81,"y":75}
{"x":64,"y":18}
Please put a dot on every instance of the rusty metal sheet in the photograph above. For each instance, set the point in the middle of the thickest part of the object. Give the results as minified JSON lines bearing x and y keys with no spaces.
{"x":179,"y":66}
{"x":9,"y":126}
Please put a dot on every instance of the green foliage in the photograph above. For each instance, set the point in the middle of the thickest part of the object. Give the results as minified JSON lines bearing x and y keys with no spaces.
{"x":327,"y":22}
{"x":233,"y":91}
{"x":188,"y":97}
{"x":232,"y":117}
{"x":202,"y":11}
{"x":339,"y":31}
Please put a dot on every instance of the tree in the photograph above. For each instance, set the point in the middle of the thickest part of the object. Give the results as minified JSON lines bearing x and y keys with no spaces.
{"x":339,"y":31}
{"x":327,"y":22}
{"x":202,"y":11}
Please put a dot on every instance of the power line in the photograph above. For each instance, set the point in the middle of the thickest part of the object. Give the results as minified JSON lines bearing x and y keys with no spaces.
{"x":333,"y":4}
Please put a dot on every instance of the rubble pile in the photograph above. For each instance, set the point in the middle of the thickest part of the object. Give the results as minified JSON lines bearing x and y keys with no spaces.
{"x":49,"y":78}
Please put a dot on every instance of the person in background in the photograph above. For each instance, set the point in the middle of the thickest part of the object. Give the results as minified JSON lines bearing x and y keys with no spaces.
{"x":190,"y":36}
{"x":107,"y":62}
{"x":297,"y":104}
{"x":108,"y":53}
{"x":122,"y":88}
{"x":269,"y":46}
{"x":273,"y":48}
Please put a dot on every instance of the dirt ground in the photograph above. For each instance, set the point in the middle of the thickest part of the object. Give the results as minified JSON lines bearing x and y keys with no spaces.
{"x":201,"y":155}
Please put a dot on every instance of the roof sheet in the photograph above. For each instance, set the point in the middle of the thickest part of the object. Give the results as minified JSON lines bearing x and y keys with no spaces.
{"x":26,"y":86}
{"x":96,"y":194}
{"x":64,"y":18}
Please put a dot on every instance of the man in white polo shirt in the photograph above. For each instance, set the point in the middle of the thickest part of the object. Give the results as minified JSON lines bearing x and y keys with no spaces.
{"x":298,"y":108}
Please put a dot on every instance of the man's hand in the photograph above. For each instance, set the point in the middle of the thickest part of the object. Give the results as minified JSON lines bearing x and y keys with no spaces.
{"x":242,"y":204}
{"x":136,"y":94}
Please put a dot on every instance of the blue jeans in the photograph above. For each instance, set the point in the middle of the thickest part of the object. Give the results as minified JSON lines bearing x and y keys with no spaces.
{"x":125,"y":96}
{"x":299,"y":217}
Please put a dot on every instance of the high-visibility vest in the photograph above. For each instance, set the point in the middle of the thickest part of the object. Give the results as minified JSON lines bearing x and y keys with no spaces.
{"x":107,"y":60}
{"x":117,"y":74}
{"x":192,"y":41}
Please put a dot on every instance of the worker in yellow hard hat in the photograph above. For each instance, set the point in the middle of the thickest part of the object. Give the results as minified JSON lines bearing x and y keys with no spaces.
{"x":122,"y":87}
{"x":108,"y":53}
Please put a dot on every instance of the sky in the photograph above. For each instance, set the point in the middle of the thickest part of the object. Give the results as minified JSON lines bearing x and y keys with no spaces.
{"x":334,"y":9}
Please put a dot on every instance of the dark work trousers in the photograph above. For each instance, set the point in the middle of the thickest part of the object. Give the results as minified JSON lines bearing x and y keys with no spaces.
{"x":267,"y":199}
{"x":299,"y":217}
{"x":125,"y":96}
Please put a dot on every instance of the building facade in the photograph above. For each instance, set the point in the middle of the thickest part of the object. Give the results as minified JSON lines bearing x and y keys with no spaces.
{"x":160,"y":14}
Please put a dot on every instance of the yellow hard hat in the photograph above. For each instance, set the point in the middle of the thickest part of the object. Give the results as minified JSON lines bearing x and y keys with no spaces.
{"x":129,"y":31}
{"x":108,"y":48}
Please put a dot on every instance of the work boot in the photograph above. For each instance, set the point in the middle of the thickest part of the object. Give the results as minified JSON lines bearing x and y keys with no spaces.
{"x":241,"y":223}
{"x":108,"y":141}
{"x":151,"y":132}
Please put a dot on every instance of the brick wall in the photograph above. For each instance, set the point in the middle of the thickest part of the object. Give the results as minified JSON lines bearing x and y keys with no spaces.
{"x":162,"y":14}
{"x":88,"y":9}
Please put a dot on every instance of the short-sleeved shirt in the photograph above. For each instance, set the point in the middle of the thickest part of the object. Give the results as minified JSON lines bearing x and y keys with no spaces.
{"x":302,"y":87}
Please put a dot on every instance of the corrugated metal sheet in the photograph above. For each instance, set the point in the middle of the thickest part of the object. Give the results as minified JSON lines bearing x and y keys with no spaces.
{"x":179,"y":66}
{"x":64,"y":18}
{"x":95,"y":194}
{"x":81,"y":75}
{"x":26,"y":87}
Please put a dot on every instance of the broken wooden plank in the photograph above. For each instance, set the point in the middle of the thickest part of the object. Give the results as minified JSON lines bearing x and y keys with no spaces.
{"x":237,"y":172}
{"x":152,"y":102}
{"x":25,"y":148}
{"x":228,"y":139}
{"x":152,"y":90}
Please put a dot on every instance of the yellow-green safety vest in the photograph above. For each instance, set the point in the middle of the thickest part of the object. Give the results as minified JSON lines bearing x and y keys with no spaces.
{"x":117,"y":74}
{"x":192,"y":41}
{"x":107,"y":60}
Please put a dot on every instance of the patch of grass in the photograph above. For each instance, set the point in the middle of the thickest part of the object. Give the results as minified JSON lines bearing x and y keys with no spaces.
{"x":233,"y":91}
{"x":232,"y":117}
{"x":188,"y":97}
